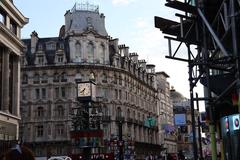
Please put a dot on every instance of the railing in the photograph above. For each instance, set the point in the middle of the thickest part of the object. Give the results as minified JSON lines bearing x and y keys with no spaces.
{"x":85,"y":7}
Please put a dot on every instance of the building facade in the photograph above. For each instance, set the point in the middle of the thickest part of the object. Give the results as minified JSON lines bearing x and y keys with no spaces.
{"x":126,"y":87}
{"x":165,"y":111}
{"x":183,"y":123}
{"x":11,"y":22}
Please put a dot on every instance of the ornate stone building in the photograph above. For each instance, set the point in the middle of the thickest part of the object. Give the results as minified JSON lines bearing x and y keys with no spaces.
{"x":126,"y":87}
{"x":11,"y":22}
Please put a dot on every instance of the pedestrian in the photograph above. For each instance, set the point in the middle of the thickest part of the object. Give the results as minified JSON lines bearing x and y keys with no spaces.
{"x":19,"y":152}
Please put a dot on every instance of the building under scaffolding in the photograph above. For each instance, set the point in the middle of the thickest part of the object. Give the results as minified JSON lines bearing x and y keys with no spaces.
{"x":212,"y":26}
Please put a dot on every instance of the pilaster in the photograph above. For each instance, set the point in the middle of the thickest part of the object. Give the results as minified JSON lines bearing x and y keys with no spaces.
{"x":5,"y":82}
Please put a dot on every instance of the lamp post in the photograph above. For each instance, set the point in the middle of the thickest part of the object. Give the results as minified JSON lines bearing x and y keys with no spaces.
{"x":120,"y":138}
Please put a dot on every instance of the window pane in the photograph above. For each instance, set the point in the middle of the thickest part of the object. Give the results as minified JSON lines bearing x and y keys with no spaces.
{"x":43,"y":93}
{"x":63,"y":91}
{"x":90,"y":52}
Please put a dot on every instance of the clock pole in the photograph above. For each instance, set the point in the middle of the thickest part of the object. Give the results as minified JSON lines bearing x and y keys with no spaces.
{"x":85,"y":98}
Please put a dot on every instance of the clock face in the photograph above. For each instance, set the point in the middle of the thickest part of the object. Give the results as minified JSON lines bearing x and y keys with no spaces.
{"x":84,"y":89}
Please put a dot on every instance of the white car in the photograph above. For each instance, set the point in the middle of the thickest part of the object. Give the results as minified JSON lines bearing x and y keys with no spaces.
{"x":60,"y":158}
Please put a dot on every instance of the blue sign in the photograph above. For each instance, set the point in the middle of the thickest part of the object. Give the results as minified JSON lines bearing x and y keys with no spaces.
{"x":180,"y":119}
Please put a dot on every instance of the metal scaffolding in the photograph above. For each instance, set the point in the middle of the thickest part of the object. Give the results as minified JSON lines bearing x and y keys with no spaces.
{"x":213,"y":27}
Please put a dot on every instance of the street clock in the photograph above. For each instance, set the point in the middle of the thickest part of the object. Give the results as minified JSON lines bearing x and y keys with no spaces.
{"x":86,"y":90}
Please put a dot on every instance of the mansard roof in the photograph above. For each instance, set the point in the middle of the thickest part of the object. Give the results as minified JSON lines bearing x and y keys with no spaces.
{"x":50,"y":54}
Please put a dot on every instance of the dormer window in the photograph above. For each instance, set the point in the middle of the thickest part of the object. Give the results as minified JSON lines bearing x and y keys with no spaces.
{"x":40,"y":47}
{"x":60,"y":58}
{"x":61,"y":46}
{"x":51,"y":46}
{"x":40,"y":60}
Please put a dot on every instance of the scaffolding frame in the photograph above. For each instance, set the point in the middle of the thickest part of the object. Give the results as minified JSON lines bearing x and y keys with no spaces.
{"x":211,"y":26}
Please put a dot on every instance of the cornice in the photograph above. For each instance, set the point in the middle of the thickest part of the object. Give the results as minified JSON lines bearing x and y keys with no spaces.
{"x":85,"y":66}
{"x":10,"y":40}
{"x":14,"y":13}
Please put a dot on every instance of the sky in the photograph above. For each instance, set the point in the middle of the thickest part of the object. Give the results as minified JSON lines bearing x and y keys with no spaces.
{"x":131,"y":21}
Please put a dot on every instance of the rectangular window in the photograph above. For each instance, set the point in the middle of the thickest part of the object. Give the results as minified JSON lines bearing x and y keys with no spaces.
{"x":63,"y":91}
{"x":59,"y":129}
{"x":40,"y":60}
{"x":43,"y":93}
{"x":57,"y":92}
{"x":61,"y":45}
{"x":13,"y":27}
{"x":60,"y":59}
{"x":116,"y":94}
{"x":120,"y":94}
{"x":37,"y":93}
{"x":39,"y":131}
{"x":24,"y":94}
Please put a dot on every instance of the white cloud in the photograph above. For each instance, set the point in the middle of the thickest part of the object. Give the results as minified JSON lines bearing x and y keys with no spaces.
{"x":122,"y":2}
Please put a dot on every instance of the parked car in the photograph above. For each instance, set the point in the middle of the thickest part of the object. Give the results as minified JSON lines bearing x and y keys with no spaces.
{"x":60,"y":158}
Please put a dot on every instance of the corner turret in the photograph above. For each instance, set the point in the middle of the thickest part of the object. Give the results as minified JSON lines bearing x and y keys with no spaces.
{"x":84,"y":17}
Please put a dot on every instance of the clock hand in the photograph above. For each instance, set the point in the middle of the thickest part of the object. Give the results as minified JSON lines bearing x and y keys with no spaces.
{"x":82,"y":90}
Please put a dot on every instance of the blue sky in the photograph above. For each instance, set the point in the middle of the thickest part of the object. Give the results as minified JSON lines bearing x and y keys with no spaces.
{"x":132,"y":21}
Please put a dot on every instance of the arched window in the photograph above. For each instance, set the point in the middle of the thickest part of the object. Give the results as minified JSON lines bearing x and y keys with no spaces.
{"x":60,"y":111}
{"x":36,"y":78}
{"x":104,"y":78}
{"x":25,"y":79}
{"x":105,"y":110}
{"x":119,"y":112}
{"x":78,"y":53}
{"x":44,"y":78}
{"x":40,"y":112}
{"x":90,"y":52}
{"x":102,"y":54}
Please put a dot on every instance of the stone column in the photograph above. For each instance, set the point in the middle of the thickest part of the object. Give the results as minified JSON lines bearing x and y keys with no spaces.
{"x":5,"y":81}
{"x":16,"y":85}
